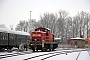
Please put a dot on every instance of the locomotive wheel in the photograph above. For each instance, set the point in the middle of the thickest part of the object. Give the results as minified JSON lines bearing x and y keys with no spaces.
{"x":42,"y":50}
{"x":2,"y":49}
{"x":50,"y":49}
{"x":9,"y":50}
{"x":33,"y":50}
{"x":45,"y":49}
{"x":37,"y":49}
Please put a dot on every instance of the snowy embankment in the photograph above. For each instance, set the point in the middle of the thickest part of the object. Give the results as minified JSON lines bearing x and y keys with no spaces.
{"x":84,"y":55}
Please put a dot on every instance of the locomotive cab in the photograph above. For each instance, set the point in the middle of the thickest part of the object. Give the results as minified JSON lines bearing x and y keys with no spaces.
{"x":41,"y":34}
{"x":42,"y":39}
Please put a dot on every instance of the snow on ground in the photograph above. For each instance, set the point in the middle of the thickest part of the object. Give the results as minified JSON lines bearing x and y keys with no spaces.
{"x":84,"y":55}
{"x":72,"y":56}
{"x":3,"y":53}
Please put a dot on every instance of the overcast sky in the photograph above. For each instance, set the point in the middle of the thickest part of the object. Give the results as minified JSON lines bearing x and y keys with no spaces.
{"x":12,"y":11}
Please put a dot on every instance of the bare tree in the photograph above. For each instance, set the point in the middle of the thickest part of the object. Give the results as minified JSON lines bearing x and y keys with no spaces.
{"x":61,"y":24}
{"x":48,"y":20}
{"x":11,"y":26}
{"x":26,"y":26}
{"x":20,"y":26}
{"x":2,"y":26}
{"x":81,"y":20}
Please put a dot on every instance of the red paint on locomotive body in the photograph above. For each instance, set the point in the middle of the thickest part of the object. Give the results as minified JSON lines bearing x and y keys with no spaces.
{"x":41,"y":34}
{"x":42,"y":39}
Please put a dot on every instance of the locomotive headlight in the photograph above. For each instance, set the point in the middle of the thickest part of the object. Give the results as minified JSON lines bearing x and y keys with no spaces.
{"x":36,"y":35}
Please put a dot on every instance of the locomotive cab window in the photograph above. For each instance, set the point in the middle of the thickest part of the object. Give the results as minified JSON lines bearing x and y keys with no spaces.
{"x":43,"y":30}
{"x":38,"y":29}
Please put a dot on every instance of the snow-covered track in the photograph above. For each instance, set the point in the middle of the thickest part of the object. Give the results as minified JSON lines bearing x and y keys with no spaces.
{"x":13,"y":54}
{"x":44,"y":55}
{"x":54,"y":53}
{"x":80,"y":53}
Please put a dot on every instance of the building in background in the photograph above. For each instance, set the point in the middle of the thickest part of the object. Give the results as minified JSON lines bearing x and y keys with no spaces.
{"x":78,"y":42}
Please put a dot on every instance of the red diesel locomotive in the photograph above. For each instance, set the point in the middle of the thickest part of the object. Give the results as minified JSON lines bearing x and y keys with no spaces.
{"x":42,"y":39}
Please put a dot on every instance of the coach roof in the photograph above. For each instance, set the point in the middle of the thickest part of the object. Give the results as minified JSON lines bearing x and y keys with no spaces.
{"x":6,"y":30}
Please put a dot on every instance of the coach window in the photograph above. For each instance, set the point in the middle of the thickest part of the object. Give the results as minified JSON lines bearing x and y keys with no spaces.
{"x":19,"y":37}
{"x":6,"y":36}
{"x":3,"y":38}
{"x":28,"y":37}
{"x":22,"y":37}
{"x":11,"y":36}
{"x":1,"y":35}
{"x":25,"y":38}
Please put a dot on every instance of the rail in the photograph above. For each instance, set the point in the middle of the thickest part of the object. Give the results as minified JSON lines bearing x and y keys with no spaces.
{"x":52,"y":54}
{"x":80,"y":53}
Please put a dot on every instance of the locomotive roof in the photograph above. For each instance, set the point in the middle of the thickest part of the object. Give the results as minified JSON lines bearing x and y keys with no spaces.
{"x":6,"y":30}
{"x":43,"y":28}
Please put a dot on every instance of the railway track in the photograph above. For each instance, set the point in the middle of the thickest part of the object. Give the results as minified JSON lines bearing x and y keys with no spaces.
{"x":80,"y":53}
{"x":13,"y":54}
{"x":52,"y":54}
{"x":44,"y":55}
